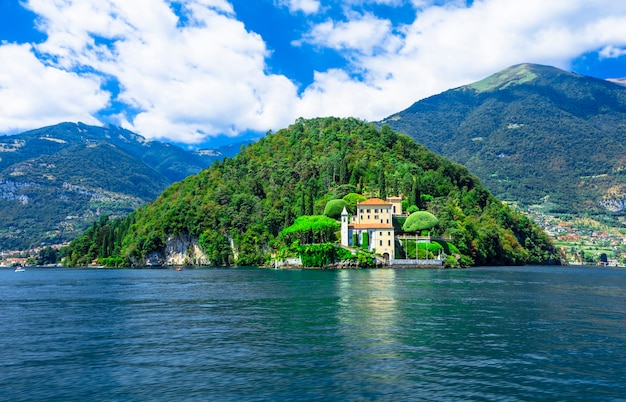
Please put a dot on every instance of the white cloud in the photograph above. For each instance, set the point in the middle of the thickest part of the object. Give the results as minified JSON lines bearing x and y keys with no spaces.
{"x":451,"y":45}
{"x":305,"y":6}
{"x":203,"y":77}
{"x":32,"y":91}
{"x":364,"y":34}
{"x":392,"y":3}
{"x":611,"y":52}
{"x":206,"y":74}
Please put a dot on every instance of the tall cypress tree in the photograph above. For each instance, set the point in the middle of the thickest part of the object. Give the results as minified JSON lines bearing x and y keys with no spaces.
{"x":382,"y":184}
{"x":343,"y":171}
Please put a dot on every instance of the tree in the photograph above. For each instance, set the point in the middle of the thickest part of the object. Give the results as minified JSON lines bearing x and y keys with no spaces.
{"x":311,"y":229}
{"x":416,"y":195}
{"x":352,"y":199}
{"x":334,"y":208}
{"x":382,"y":185}
{"x":420,"y":220}
{"x":343,"y":171}
{"x":46,"y":255}
{"x":216,"y":246}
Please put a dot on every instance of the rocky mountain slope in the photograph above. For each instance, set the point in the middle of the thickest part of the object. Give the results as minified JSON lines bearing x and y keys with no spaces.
{"x":55,"y":181}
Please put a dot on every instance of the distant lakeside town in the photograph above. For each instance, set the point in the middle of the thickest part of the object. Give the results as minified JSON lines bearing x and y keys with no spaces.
{"x":583,"y":241}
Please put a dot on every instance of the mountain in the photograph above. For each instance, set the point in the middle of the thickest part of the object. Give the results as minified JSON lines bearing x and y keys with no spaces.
{"x":55,"y":181}
{"x":532,"y":134}
{"x":235,"y":211}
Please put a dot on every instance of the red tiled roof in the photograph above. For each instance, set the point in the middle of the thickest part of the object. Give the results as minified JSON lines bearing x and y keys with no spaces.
{"x":370,"y":226}
{"x":374,"y":201}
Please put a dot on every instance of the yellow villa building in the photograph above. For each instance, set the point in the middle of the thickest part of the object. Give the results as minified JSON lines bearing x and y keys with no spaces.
{"x":372,"y":224}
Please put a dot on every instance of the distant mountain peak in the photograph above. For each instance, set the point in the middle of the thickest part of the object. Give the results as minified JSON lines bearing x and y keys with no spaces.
{"x":515,"y":75}
{"x":529,"y":131}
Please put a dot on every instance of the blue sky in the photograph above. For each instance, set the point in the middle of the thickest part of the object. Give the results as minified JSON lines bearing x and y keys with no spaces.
{"x":203,"y":72}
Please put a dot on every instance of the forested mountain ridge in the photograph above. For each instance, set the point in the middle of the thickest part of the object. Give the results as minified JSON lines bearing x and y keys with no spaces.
{"x":55,"y":181}
{"x":234,"y":211}
{"x":532,"y":134}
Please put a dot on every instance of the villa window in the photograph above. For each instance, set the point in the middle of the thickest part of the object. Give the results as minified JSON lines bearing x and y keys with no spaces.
{"x":381,"y":243}
{"x":375,"y":216}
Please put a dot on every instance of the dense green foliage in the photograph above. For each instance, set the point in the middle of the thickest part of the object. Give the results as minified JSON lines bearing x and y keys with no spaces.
{"x":318,"y":255}
{"x":47,"y":255}
{"x":532,"y":134}
{"x":100,"y":243}
{"x":326,"y":254}
{"x":311,"y":229}
{"x":334,"y":208}
{"x":56,"y":181}
{"x":255,"y":199}
{"x":420,"y":220}
{"x":421,"y":250}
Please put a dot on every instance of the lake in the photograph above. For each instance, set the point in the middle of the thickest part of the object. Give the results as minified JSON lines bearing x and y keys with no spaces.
{"x":245,"y":334}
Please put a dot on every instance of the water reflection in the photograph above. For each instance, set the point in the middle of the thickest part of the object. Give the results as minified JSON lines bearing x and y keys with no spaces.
{"x":367,"y":315}
{"x":367,"y":303}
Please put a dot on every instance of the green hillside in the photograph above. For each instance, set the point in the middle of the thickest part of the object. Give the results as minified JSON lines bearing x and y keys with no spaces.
{"x":248,"y":200}
{"x":57,"y":180}
{"x":532,"y":134}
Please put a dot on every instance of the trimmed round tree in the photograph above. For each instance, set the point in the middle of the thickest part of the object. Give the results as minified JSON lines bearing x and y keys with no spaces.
{"x":352,"y":199}
{"x":334,"y":208}
{"x":420,"y":220}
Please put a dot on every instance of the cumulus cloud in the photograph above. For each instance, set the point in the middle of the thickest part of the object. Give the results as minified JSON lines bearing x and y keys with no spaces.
{"x":187,"y":70}
{"x":453,"y":44}
{"x":186,"y":78}
{"x":305,"y":6}
{"x":365,"y":34}
{"x":31,"y":90}
{"x":611,"y":52}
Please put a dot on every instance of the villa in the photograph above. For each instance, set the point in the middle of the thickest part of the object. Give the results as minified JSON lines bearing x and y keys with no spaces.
{"x":372,"y":226}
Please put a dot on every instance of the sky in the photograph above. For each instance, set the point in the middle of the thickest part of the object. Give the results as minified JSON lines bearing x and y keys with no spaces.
{"x":209,"y":72}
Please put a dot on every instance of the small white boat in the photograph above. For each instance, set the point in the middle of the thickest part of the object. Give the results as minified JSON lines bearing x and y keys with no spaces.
{"x":19,"y":269}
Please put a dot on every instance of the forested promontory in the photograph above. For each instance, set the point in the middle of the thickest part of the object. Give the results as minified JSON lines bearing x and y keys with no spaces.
{"x":233,"y":212}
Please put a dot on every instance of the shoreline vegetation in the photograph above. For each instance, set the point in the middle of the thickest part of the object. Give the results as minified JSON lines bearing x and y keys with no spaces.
{"x":270,"y":202}
{"x":286,"y":268}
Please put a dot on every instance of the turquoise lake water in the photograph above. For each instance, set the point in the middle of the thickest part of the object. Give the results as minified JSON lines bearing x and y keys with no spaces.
{"x":497,"y":334}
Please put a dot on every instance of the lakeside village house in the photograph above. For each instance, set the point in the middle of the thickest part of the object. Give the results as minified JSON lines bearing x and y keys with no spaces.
{"x":372,"y":223}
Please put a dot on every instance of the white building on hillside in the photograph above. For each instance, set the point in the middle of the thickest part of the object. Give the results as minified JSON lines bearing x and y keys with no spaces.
{"x":372,"y":226}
